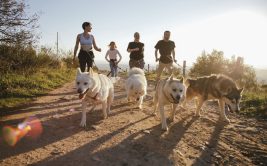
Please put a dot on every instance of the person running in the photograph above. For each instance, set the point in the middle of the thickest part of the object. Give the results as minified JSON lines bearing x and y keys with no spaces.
{"x":136,"y":50}
{"x":87,"y":42}
{"x":111,"y":57}
{"x":167,"y":54}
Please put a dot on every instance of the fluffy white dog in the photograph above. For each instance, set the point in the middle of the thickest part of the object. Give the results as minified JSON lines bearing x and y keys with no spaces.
{"x":136,"y":86}
{"x":93,"y":87}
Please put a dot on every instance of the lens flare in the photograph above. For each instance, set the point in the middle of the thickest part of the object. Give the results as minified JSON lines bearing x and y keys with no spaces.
{"x":35,"y":126}
{"x":31,"y":128}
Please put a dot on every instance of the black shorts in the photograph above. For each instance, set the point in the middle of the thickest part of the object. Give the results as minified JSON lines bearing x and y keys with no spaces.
{"x":86,"y":58}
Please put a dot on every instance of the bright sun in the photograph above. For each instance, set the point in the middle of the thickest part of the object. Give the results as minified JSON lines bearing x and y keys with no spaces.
{"x":240,"y":33}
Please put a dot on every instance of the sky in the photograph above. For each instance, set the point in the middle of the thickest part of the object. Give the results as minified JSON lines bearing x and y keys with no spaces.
{"x":236,"y":27}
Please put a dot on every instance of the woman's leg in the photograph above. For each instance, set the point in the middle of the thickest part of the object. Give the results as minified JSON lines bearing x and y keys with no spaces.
{"x":89,"y":63}
{"x":116,"y":71}
{"x":82,"y":61}
{"x":111,"y":69}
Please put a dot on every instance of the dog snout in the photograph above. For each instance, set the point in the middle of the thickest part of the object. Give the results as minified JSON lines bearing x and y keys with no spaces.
{"x":137,"y":99}
{"x":79,"y":90}
{"x":178,"y":97}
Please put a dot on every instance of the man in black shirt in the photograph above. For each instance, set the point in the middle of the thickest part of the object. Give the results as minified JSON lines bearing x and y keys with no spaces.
{"x":136,"y":50}
{"x":166,"y":49}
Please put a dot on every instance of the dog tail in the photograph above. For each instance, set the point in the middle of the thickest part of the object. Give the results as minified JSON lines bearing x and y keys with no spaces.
{"x":136,"y":70}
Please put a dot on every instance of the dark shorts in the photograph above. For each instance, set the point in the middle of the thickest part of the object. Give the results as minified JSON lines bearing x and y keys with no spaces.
{"x":137,"y":63}
{"x":86,"y":59}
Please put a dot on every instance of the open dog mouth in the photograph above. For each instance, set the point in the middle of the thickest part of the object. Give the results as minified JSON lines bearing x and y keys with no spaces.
{"x":175,"y":101}
{"x":82,"y":95}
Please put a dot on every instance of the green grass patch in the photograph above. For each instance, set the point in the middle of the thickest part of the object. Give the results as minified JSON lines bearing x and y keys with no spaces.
{"x":254,"y":104}
{"x":17,"y":88}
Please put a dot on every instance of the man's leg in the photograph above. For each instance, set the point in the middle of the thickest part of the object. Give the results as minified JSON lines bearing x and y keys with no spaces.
{"x":160,"y":68}
{"x":131,"y":63}
{"x":159,"y":71}
{"x":169,"y":67}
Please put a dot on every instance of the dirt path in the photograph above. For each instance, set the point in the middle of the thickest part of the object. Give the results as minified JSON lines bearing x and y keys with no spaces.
{"x":131,"y":136}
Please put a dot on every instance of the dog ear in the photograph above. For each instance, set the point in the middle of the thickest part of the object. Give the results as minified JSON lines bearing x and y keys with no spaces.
{"x":91,"y":71}
{"x":240,"y":90}
{"x":182,"y":80}
{"x":79,"y":71}
{"x":171,"y":78}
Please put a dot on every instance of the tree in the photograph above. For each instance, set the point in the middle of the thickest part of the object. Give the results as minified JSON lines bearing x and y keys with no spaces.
{"x":207,"y":64}
{"x":216,"y":63}
{"x":15,"y":26}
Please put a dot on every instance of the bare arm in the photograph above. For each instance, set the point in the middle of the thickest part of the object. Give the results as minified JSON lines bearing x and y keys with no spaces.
{"x":106,"y":57}
{"x":119,"y":56}
{"x":173,"y":55}
{"x":156,"y":55}
{"x":76,"y":46}
{"x":134,"y":49}
{"x":95,"y":47}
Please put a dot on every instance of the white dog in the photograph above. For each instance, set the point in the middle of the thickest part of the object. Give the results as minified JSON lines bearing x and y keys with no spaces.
{"x":95,"y":88}
{"x":168,"y":91}
{"x":136,"y":86}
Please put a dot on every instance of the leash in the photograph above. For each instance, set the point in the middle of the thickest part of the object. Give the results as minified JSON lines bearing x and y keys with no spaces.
{"x":118,"y":68}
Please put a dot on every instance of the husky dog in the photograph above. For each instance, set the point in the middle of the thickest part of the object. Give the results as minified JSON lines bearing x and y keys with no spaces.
{"x":95,"y":88}
{"x":219,"y":87}
{"x":168,"y":91}
{"x":136,"y":86}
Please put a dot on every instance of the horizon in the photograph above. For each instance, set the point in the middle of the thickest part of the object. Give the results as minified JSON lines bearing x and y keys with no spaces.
{"x":236,"y":28}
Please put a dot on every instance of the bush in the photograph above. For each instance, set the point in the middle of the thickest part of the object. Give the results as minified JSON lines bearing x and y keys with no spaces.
{"x":254,"y":104}
{"x":216,"y":63}
{"x":25,"y":60}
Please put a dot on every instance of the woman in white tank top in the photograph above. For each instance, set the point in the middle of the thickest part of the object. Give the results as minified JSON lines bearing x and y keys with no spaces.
{"x":113,"y":61}
{"x":87,"y":43}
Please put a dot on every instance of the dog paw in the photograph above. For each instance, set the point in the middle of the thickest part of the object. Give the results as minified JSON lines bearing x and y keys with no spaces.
{"x":197,"y":114}
{"x":105,"y":116}
{"x":165,"y":128}
{"x":83,"y":123}
{"x":140,"y":107}
{"x":226,"y":120}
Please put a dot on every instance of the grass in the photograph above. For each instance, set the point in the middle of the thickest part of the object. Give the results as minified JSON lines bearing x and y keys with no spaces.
{"x":254,"y":104}
{"x":17,"y":89}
